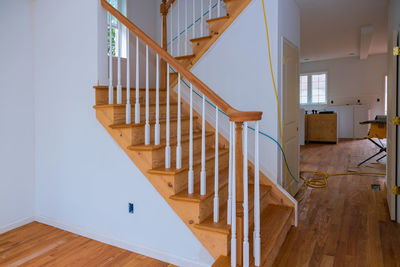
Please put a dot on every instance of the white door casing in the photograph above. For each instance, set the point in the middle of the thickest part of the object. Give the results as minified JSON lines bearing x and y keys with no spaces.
{"x":290,"y":114}
{"x":392,"y":130}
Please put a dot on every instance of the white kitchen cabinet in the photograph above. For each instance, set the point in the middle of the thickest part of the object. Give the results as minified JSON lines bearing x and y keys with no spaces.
{"x":349,"y":117}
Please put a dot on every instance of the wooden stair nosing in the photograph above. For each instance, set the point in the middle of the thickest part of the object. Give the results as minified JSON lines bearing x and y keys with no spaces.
{"x":102,"y":106}
{"x":217,"y":19}
{"x":196,"y":197}
{"x":151,"y":122}
{"x":267,"y":232}
{"x":184,"y":139}
{"x":222,"y":226}
{"x":210,"y":154}
{"x":105,"y":87}
{"x":201,"y":38}
{"x":184,"y":57}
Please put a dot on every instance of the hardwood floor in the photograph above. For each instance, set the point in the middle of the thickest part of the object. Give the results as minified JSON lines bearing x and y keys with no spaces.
{"x":346,"y":224}
{"x":37,"y":244}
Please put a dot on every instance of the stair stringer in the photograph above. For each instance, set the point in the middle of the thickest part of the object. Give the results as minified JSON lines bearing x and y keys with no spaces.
{"x":216,"y":243}
{"x":234,"y":9}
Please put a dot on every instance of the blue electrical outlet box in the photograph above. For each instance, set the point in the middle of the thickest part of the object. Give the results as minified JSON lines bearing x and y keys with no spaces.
{"x":131,"y":208}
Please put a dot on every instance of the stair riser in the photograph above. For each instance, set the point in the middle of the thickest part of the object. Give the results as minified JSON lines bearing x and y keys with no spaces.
{"x":158,"y":156}
{"x":180,"y":181}
{"x":137,"y":133}
{"x":118,"y":114}
{"x":185,"y":62}
{"x":216,"y":25}
{"x":232,"y":6}
{"x":102,"y":97}
{"x":199,"y":44}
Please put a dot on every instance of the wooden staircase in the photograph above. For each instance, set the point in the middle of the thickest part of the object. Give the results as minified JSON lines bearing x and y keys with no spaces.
{"x":195,"y":210}
{"x":217,"y":27}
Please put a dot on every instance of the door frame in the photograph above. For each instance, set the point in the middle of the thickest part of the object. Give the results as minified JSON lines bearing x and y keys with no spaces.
{"x":281,"y":164}
{"x":393,"y":133}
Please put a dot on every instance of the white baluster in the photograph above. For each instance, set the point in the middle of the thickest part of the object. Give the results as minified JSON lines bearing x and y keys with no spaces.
{"x":119,"y":86}
{"x":216,"y":171}
{"x":210,"y":9}
{"x":137,"y":104}
{"x":219,"y":8}
{"x":229,"y":204}
{"x":257,"y":237}
{"x":190,"y":173}
{"x":178,"y":132}
{"x":186,"y":27}
{"x":171,"y":32}
{"x":110,"y":86}
{"x":179,"y":30}
{"x":167,"y":145}
{"x":194,"y":20}
{"x":233,"y":227}
{"x":128,"y":80}
{"x":147,"y":126}
{"x":157,"y":126}
{"x":246,"y":258}
{"x":203,"y":150}
{"x":201,"y":18}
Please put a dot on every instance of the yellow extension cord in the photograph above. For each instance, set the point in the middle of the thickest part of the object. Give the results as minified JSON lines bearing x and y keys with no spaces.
{"x":321,"y":178}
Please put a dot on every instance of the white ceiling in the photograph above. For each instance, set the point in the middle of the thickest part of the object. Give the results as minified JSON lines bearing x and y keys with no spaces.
{"x":332,"y":28}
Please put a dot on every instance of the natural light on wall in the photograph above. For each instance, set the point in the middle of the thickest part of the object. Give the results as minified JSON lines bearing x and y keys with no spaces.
{"x":313,"y":88}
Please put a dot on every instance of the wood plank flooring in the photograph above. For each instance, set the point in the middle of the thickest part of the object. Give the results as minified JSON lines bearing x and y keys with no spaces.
{"x":37,"y":244}
{"x":346,"y":224}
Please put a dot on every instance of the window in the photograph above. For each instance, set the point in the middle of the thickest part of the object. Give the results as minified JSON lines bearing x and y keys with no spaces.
{"x":121,"y":6}
{"x":313,"y":88}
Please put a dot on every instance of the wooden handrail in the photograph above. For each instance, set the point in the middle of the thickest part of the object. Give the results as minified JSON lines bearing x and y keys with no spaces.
{"x":169,"y":4}
{"x":234,"y":115}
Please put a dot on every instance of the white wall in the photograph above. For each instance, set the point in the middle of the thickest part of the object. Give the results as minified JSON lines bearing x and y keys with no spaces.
{"x":289,"y":29}
{"x":84,"y":181}
{"x":16,"y":116}
{"x":350,"y":79}
{"x":236,"y":67}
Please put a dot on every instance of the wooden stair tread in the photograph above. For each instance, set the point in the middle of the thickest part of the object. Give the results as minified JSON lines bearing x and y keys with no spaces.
{"x":216,"y":19}
{"x":196,"y":197}
{"x":172,"y":103}
{"x":274,"y":218}
{"x":201,"y":38}
{"x":142,"y":123}
{"x":222,"y":261}
{"x":105,"y":87}
{"x":184,"y":57}
{"x":173,"y":141}
{"x":210,"y":154}
{"x":222,"y":226}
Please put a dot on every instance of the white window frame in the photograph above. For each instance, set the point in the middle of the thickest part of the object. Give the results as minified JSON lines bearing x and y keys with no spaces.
{"x":309,"y":88}
{"x":122,"y":7}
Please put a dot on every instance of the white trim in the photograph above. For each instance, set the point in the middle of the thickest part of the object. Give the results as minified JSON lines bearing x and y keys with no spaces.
{"x":309,"y":88}
{"x":142,"y":250}
{"x":15,"y":224}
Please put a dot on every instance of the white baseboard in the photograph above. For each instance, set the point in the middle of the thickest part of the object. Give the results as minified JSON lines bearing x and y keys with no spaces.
{"x":15,"y":224}
{"x":146,"y":251}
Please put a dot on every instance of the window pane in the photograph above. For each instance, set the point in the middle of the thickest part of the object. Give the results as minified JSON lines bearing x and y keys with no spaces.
{"x":318,"y":88}
{"x":303,"y":89}
{"x":114,"y":21}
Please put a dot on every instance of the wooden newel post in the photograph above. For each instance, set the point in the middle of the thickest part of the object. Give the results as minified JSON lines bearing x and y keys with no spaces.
{"x":239,"y":193}
{"x":164,"y":12}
